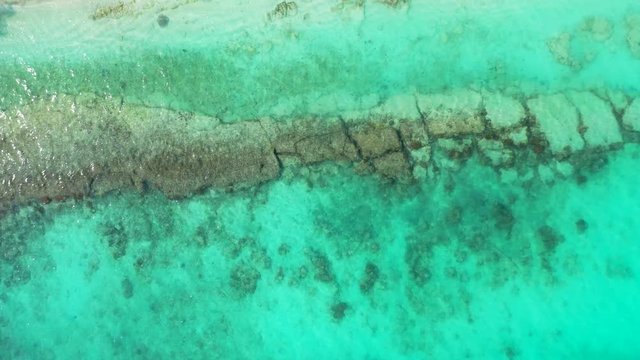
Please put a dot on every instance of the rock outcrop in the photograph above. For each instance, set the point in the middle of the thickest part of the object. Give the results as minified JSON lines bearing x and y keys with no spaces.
{"x":77,"y":146}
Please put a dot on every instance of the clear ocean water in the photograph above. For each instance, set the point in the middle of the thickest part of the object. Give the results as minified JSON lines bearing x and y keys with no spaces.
{"x":324,"y":262}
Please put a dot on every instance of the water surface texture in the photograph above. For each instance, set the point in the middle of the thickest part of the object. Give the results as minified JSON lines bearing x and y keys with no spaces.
{"x":340,"y":179}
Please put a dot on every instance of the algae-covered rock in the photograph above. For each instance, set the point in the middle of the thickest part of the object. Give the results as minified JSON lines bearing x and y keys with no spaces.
{"x":517,"y":136}
{"x":284,"y":9}
{"x":369,"y":278}
{"x":244,"y":279}
{"x":237,"y":153}
{"x":321,"y":265}
{"x":618,"y":100}
{"x":375,"y":139}
{"x":75,"y":146}
{"x":114,"y":10}
{"x":313,"y":141}
{"x":392,"y":166}
{"x":557,"y":119}
{"x":453,"y":113}
{"x":560,"y":48}
{"x":451,"y":153}
{"x":496,"y":153}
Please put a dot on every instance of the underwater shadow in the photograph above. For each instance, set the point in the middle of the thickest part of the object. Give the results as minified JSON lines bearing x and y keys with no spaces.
{"x":6,"y":11}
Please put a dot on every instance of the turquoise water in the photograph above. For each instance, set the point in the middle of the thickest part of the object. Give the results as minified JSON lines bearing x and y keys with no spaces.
{"x":235,"y":63}
{"x":533,"y":257}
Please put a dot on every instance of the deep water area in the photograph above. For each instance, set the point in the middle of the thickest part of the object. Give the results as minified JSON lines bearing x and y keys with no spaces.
{"x":339,"y":179}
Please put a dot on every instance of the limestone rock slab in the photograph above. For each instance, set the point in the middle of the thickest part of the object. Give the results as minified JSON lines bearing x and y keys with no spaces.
{"x":503,"y":112}
{"x":392,"y":165}
{"x":631,"y":118}
{"x":495,"y":152}
{"x":599,"y":124}
{"x":375,"y":139}
{"x":557,"y":119}
{"x":314,"y":141}
{"x":453,"y":113}
{"x":416,"y":141}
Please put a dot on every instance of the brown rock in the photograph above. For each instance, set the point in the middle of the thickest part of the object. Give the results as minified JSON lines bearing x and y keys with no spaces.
{"x":416,"y":141}
{"x":495,"y":153}
{"x":375,"y":139}
{"x":393,"y":166}
{"x":314,"y":141}
{"x":239,"y":153}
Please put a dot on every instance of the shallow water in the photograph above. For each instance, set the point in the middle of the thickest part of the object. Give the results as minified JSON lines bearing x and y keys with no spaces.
{"x":534,"y":257}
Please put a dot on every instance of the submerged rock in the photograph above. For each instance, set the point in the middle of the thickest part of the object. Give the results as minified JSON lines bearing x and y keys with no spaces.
{"x":618,"y":99}
{"x":369,"y":278}
{"x":244,"y":279}
{"x":313,"y":141}
{"x":118,"y":9}
{"x":452,"y":153}
{"x":600,"y":127}
{"x":631,"y":118}
{"x":75,"y":146}
{"x":375,"y":140}
{"x":339,"y":310}
{"x":163,"y":20}
{"x":560,"y":48}
{"x":495,"y":153}
{"x":517,"y":137}
{"x":581,"y":226}
{"x":453,"y":113}
{"x":633,"y":34}
{"x":600,"y":29}
{"x":321,"y":265}
{"x":417,"y":146}
{"x":557,"y":119}
{"x":392,"y":166}
{"x":283,"y":9}
{"x":503,"y":112}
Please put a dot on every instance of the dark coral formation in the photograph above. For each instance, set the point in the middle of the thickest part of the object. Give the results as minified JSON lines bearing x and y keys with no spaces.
{"x":549,"y":237}
{"x":321,"y":265}
{"x":581,"y":226}
{"x":369,"y":278}
{"x":339,"y":310}
{"x":163,"y":20}
{"x":244,"y":279}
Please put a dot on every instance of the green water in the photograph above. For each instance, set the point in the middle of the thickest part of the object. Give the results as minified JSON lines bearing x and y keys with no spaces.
{"x":324,"y":262}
